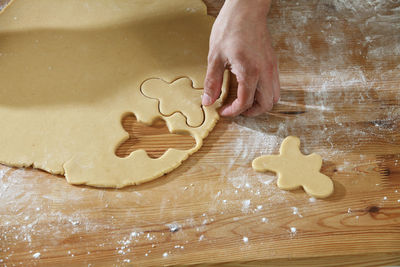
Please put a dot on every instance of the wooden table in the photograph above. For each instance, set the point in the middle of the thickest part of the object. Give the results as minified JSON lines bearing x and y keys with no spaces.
{"x":340,"y":78}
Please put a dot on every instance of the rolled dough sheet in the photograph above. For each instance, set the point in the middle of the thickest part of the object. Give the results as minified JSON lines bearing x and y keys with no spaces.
{"x":71,"y":69}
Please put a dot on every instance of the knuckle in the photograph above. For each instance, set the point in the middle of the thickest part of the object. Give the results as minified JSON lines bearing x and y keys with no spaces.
{"x":212,"y":56}
{"x":244,"y":105}
{"x":238,"y":53}
{"x":246,"y":79}
{"x":253,"y":69}
{"x":241,"y":78}
{"x":210,"y":83}
{"x":248,"y":68}
{"x":269,"y":68}
{"x":250,"y":101}
{"x":268,"y":107}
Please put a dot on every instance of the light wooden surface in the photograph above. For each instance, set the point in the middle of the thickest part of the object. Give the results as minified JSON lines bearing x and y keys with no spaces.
{"x":340,"y":78}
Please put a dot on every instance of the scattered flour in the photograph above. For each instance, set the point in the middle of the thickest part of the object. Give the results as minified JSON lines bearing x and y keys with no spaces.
{"x":296,"y":212}
{"x":201,"y":238}
{"x":312,"y":199}
{"x":36,"y":255}
{"x":246,"y":205}
{"x":335,"y":82}
{"x":173,"y":227}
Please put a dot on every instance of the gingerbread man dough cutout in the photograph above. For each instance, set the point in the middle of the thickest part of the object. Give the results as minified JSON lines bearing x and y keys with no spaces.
{"x":296,"y":170}
{"x":178,"y":96}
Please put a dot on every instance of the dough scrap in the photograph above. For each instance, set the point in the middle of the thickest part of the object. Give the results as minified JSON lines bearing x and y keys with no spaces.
{"x":296,"y":170}
{"x":189,"y":103}
{"x":72,"y":69}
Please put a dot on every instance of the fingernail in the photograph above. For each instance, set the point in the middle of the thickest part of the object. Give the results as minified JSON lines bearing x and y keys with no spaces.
{"x":206,"y":100}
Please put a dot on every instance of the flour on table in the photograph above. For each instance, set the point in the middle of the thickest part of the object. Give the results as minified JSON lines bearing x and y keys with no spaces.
{"x":376,"y":23}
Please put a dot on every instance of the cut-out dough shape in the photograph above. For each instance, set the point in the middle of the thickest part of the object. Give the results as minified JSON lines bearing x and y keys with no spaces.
{"x":296,"y":170}
{"x":178,"y":96}
{"x":71,"y":69}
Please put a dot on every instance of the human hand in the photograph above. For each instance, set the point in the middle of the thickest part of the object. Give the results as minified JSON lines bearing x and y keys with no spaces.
{"x":241,"y":42}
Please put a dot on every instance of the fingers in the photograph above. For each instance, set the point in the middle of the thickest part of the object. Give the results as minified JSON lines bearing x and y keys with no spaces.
{"x":263,"y":103}
{"x":213,"y":81}
{"x":244,"y":100}
{"x":276,"y":87}
{"x":267,"y":94}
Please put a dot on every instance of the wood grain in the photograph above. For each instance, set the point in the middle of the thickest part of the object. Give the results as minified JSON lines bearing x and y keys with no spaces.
{"x":155,"y":139}
{"x":340,"y":76}
{"x":376,"y":259}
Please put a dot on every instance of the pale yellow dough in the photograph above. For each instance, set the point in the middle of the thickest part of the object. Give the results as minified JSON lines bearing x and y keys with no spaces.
{"x":71,"y":69}
{"x":296,"y":170}
{"x":189,"y":103}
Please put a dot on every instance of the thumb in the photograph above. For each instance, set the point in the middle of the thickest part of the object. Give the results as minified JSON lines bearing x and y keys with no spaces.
{"x":213,"y":82}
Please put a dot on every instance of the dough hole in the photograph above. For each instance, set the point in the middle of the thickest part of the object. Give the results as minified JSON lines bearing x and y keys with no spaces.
{"x":154,"y":139}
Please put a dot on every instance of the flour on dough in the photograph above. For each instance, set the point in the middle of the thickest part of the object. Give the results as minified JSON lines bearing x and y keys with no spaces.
{"x":71,"y":69}
{"x":296,"y":170}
